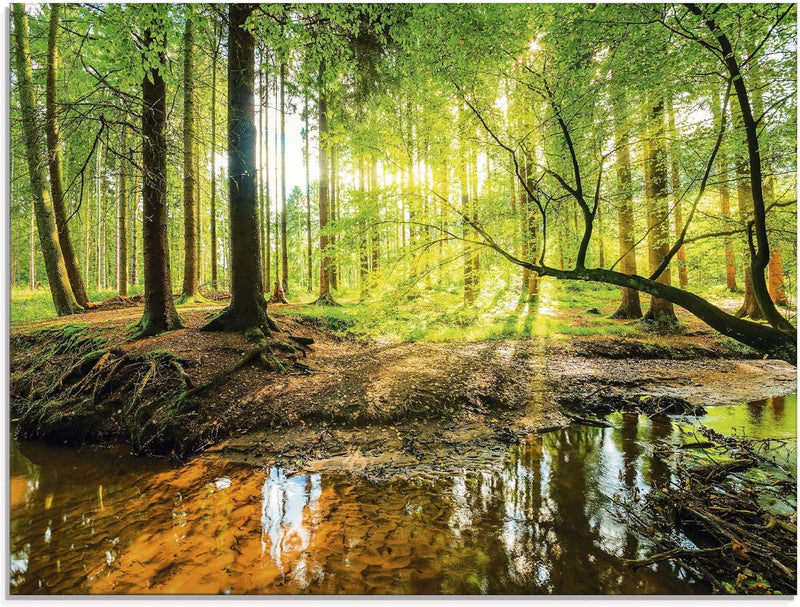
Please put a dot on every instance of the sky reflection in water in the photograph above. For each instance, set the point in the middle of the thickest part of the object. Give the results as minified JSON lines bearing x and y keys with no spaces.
{"x":541,"y":522}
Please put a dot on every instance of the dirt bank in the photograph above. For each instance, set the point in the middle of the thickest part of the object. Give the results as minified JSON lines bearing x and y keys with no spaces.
{"x":369,"y":406}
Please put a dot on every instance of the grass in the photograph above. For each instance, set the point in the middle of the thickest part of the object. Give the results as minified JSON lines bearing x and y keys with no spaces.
{"x":438,"y":313}
{"x":30,"y":306}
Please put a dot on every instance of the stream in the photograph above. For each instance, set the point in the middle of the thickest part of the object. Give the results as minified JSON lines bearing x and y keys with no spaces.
{"x":99,"y":521}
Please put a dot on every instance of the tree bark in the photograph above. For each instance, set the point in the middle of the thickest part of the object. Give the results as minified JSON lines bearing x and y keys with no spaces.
{"x":60,"y":288}
{"x":630,"y":306}
{"x":744,"y":195}
{"x":309,"y":255}
{"x":661,"y":310}
{"x":55,"y":164}
{"x":159,"y":309}
{"x":189,"y":290}
{"x":683,"y":274}
{"x":248,"y":308}
{"x":214,"y":253}
{"x":284,"y":243}
{"x":98,"y":234}
{"x":325,"y":297}
{"x":122,"y":200}
{"x":263,"y":169}
{"x":333,"y":214}
{"x":134,"y":234}
{"x":32,"y":252}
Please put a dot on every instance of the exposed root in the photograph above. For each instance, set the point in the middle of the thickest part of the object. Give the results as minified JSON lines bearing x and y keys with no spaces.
{"x":187,"y":381}
{"x":223,"y":375}
{"x":278,"y":296}
{"x":326,"y":299}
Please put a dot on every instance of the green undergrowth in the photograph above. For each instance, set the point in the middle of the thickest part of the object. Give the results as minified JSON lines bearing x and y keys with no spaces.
{"x":30,"y":306}
{"x":562,"y":309}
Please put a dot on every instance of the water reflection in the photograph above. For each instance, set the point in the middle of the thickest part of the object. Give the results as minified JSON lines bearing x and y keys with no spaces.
{"x":540,"y":523}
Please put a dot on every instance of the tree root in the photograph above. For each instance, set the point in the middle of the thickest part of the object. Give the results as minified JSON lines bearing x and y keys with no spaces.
{"x":326,"y":300}
{"x":278,"y":296}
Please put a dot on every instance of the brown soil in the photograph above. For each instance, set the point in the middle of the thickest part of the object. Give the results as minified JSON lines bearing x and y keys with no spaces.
{"x":371,"y":407}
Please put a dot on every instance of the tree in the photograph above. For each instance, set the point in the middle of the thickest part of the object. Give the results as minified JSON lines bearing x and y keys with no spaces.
{"x":60,"y":288}
{"x":55,"y":164}
{"x":757,"y":239}
{"x":159,"y":308}
{"x":122,"y":211}
{"x":655,"y":169}
{"x":326,"y":263}
{"x":248,"y":308}
{"x":213,"y":222}
{"x":189,"y":178}
{"x":630,"y":306}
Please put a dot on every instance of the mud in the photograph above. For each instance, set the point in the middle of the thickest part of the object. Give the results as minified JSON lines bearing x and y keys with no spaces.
{"x":374,"y":407}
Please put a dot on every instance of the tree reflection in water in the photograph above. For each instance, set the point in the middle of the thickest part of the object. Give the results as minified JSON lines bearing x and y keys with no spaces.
{"x":538,"y":522}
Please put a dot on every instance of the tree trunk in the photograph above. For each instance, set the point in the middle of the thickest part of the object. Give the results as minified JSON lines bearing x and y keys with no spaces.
{"x":309,"y":256}
{"x":661,"y":310}
{"x":98,"y":235}
{"x":199,"y":212}
{"x":325,"y":297}
{"x":723,"y":167}
{"x":469,"y":289}
{"x":214,"y":252}
{"x":744,"y":191}
{"x":248,"y":308}
{"x":159,"y":309}
{"x":134,"y":233}
{"x":759,"y":246}
{"x":55,"y":163}
{"x":122,"y":199}
{"x":530,"y":232}
{"x":630,"y":307}
{"x":683,"y":274}
{"x":32,"y":252}
{"x":476,"y":254}
{"x":284,"y":243}
{"x":60,"y":288}
{"x":263,"y":168}
{"x":267,"y":256}
{"x":777,"y":289}
{"x":333,"y":203}
{"x":189,"y":290}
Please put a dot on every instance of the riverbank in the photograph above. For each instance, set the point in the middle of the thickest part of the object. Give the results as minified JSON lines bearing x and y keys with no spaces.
{"x":347,"y":402}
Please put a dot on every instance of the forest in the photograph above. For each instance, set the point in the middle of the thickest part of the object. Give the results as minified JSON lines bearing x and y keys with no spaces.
{"x":345,"y":244}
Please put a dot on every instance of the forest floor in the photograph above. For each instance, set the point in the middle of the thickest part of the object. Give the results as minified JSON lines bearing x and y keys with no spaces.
{"x":351,"y":402}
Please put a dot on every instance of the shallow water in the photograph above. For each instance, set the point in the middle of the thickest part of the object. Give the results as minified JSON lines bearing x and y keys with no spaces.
{"x":95,"y":521}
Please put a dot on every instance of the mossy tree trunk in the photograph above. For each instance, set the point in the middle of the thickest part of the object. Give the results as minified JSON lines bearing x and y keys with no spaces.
{"x":248,"y":308}
{"x":655,"y":177}
{"x":630,"y":306}
{"x":55,"y":163}
{"x":60,"y":288}
{"x":159,"y":309}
